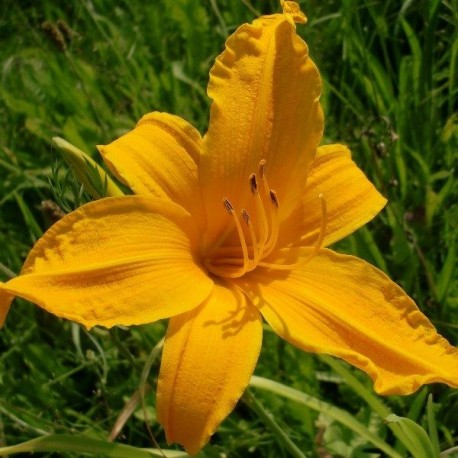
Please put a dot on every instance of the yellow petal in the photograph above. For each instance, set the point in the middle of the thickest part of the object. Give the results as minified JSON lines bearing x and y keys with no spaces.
{"x":209,"y":356}
{"x":351,"y":200}
{"x":343,"y":306}
{"x":5,"y":302}
{"x":122,"y":260}
{"x":159,"y":158}
{"x":265,"y":92}
{"x":293,"y":9}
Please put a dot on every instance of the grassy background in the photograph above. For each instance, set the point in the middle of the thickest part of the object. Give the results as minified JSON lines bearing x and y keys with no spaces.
{"x":87,"y":70}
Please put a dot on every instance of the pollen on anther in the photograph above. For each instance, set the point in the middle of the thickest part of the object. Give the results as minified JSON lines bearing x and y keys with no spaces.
{"x":273,"y":197}
{"x":228,"y":206}
{"x":246,"y":216}
{"x":253,"y":183}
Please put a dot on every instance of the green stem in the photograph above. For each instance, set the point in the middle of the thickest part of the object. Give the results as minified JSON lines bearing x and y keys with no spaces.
{"x":9,"y":273}
{"x":280,"y":435}
{"x":154,"y":354}
{"x":449,"y":451}
{"x":114,"y":334}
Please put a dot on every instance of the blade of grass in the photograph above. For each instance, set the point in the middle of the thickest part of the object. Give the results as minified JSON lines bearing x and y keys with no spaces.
{"x":370,"y":398}
{"x":31,"y":222}
{"x":87,"y":445}
{"x":417,"y":441}
{"x":446,"y":274}
{"x":432,"y":427}
{"x":316,"y":404}
{"x":280,"y":435}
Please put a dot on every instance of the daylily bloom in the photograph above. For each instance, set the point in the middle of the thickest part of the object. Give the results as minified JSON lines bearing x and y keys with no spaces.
{"x":229,"y":229}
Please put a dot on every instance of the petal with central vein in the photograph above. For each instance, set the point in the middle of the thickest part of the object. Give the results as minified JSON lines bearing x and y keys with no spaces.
{"x":265,"y":92}
{"x":123,"y":260}
{"x":351,"y":200}
{"x":343,"y":306}
{"x":209,"y":356}
{"x":159,"y":158}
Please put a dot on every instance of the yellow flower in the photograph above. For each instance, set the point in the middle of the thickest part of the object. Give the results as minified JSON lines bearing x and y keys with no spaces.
{"x":231,"y":228}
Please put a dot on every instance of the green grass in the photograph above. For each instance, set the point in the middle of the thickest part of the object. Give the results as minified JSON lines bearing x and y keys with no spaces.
{"x":86,"y":71}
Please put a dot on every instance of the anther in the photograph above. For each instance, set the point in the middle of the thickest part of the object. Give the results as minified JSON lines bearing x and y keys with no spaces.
{"x":253,"y":183}
{"x":246,"y":216}
{"x":228,"y":206}
{"x":273,"y":197}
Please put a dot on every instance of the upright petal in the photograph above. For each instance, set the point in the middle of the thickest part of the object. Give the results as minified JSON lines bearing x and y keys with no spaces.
{"x":351,"y":200}
{"x":159,"y":158}
{"x":209,"y":356}
{"x":265,"y":91}
{"x":343,"y":306}
{"x":123,"y":260}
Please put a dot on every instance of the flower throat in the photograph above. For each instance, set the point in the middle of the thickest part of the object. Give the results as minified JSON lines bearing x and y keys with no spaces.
{"x":257,"y":236}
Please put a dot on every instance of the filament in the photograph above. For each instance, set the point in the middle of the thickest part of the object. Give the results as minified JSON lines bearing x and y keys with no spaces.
{"x":254,"y":242}
{"x":316,"y":246}
{"x":274,"y":223}
{"x":256,"y":239}
{"x":260,"y":212}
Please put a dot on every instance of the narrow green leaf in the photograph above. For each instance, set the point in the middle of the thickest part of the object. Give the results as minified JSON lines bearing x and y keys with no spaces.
{"x":449,"y":452}
{"x":281,"y":436}
{"x":446,"y":274}
{"x":432,"y":428}
{"x":416,"y":60}
{"x":316,"y":404}
{"x":30,"y":221}
{"x":371,"y":399}
{"x":87,"y":445}
{"x":372,"y":247}
{"x":452,"y":76}
{"x":418,"y":444}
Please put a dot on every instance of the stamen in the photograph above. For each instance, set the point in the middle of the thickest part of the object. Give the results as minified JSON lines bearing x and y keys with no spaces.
{"x":260,"y":212}
{"x":226,"y":261}
{"x":228,"y":206}
{"x":216,"y":245}
{"x":274,"y":223}
{"x":253,"y":183}
{"x":241,"y":235}
{"x":268,"y":243}
{"x":254,"y":242}
{"x":246,"y":217}
{"x":273,"y":197}
{"x":316,"y":247}
{"x":223,"y":272}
